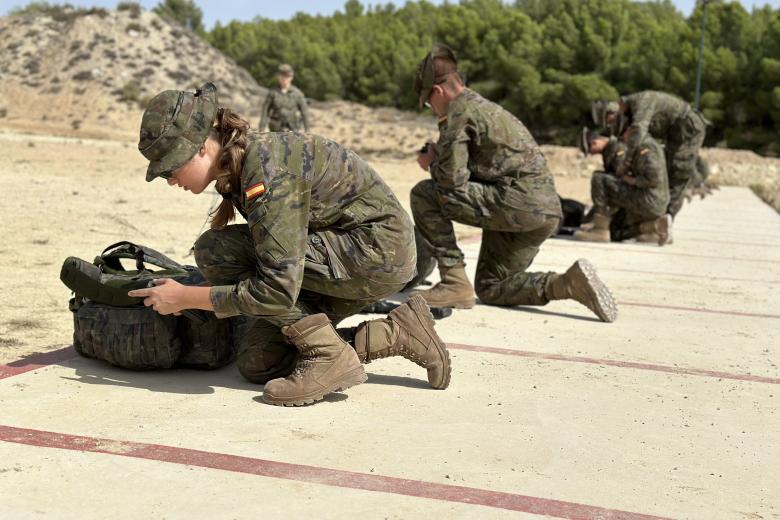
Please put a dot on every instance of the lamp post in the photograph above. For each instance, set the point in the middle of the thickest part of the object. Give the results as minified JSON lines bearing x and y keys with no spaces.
{"x":697,"y":100}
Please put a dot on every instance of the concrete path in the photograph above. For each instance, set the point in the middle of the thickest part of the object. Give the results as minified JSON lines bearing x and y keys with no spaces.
{"x":670,"y":412}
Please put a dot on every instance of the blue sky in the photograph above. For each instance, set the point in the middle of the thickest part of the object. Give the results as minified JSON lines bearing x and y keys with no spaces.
{"x":226,"y":10}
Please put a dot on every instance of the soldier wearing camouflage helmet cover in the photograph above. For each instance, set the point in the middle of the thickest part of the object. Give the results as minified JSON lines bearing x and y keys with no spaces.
{"x":487,"y":171}
{"x":285,"y":109}
{"x":324,"y":237}
{"x":604,"y":114}
{"x":677,"y":124}
{"x":642,"y":194}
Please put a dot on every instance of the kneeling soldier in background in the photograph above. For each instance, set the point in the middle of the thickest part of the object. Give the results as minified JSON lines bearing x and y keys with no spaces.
{"x":487,"y":171}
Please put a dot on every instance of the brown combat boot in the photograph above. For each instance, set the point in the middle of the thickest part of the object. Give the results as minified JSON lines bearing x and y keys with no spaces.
{"x":581,"y":283}
{"x":407,"y":331}
{"x":326,"y":364}
{"x":454,"y":289}
{"x":661,"y":228}
{"x":599,"y":232}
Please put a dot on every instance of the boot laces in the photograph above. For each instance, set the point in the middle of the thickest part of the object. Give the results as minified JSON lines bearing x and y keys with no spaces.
{"x":302,"y":366}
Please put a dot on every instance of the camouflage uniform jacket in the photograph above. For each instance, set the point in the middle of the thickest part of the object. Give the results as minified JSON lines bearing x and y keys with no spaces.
{"x":481,"y":142}
{"x":648,"y":168}
{"x":654,"y":113}
{"x":613,"y":155}
{"x":310,"y":184}
{"x":280,"y":110}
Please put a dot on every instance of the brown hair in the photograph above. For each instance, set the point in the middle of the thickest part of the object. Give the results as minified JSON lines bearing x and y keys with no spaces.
{"x":230,"y":131}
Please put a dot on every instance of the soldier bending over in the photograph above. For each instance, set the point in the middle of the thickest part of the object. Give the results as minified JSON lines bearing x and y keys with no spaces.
{"x":324,"y":237}
{"x":642,"y":192}
{"x":671,"y":120}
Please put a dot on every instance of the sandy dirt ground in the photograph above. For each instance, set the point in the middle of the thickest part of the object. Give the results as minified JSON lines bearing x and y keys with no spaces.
{"x":74,"y":197}
{"x":669,"y":412}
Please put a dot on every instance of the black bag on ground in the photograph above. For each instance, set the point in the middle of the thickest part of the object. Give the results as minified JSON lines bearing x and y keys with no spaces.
{"x":205,"y":345}
{"x":573,"y":212}
{"x":129,"y":337}
{"x":113,"y":327}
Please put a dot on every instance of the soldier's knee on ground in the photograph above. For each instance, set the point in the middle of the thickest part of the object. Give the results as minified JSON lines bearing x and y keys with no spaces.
{"x":263,"y":353}
{"x":487,"y":292}
{"x":260,"y":364}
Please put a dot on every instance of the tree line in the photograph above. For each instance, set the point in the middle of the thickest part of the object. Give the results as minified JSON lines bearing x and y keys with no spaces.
{"x":544,"y":60}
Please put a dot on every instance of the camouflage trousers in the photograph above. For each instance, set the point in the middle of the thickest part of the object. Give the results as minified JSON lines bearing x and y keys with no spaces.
{"x":511,"y":238}
{"x":227,"y":256}
{"x":610,"y":195}
{"x":682,"y":150}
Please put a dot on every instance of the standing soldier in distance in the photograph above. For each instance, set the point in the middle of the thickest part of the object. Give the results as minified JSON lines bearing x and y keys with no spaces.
{"x":487,"y":171}
{"x":283,"y":104}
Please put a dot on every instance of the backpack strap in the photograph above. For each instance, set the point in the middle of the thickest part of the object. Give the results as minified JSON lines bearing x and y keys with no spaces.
{"x":110,"y":257}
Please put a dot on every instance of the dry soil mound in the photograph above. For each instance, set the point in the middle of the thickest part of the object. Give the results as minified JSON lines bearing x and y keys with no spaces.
{"x":89,"y":73}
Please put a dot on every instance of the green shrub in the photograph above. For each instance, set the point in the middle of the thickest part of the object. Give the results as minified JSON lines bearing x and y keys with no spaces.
{"x":133,"y":7}
{"x":130,"y":91}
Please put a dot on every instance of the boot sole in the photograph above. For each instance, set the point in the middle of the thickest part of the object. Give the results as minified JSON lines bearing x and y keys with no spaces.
{"x":420,"y":307}
{"x":350,"y":379}
{"x":606,"y":306}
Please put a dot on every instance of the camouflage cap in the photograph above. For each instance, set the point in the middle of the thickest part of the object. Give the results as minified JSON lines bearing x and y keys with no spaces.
{"x":599,"y":110}
{"x":174,"y":127}
{"x":426,"y":76}
{"x":285,"y":70}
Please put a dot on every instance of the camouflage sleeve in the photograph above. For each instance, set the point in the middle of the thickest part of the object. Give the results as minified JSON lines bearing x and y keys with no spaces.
{"x":642,"y":110}
{"x":451,"y":167}
{"x":649,"y":166}
{"x":264,"y":113}
{"x":612,"y":156}
{"x":278,"y":224}
{"x":303,"y":107}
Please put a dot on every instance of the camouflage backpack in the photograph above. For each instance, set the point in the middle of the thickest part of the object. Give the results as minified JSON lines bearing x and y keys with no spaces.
{"x":113,"y":327}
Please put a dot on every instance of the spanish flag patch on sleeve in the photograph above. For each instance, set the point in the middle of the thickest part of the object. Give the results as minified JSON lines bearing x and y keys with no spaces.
{"x":254,"y":191}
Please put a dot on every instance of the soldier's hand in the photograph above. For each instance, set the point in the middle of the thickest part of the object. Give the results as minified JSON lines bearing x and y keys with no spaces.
{"x":631,"y":181}
{"x":166,"y":297}
{"x":425,"y":159}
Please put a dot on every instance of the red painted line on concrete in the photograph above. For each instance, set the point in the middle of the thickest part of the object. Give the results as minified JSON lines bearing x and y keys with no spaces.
{"x":614,"y":363}
{"x":36,"y":361}
{"x":699,"y":309}
{"x":316,"y":475}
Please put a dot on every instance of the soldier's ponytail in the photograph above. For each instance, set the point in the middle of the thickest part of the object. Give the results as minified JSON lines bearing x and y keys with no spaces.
{"x":230,"y":131}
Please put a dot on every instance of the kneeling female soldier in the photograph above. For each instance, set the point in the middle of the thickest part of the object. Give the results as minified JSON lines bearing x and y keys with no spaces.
{"x":324,"y":237}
